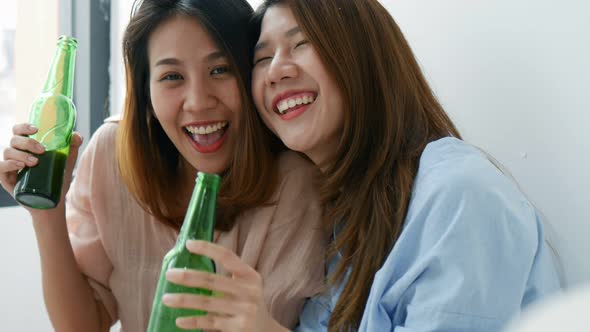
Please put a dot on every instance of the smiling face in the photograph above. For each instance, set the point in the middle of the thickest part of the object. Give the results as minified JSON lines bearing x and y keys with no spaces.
{"x":296,"y":97}
{"x":194,"y":94}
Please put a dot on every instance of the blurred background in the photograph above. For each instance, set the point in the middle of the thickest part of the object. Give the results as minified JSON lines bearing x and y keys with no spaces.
{"x":7,"y":68}
{"x":513,"y":75}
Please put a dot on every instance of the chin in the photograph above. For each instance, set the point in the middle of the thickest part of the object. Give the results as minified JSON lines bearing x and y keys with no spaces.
{"x":296,"y":146}
{"x":210,"y":166}
{"x":212,"y":169}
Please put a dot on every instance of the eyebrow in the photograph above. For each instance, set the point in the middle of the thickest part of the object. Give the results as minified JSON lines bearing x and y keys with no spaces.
{"x":216,"y":55}
{"x":292,"y":32}
{"x":168,"y":61}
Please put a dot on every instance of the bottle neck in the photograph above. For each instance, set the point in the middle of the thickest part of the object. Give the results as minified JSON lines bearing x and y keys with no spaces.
{"x":60,"y":79}
{"x":199,"y":221}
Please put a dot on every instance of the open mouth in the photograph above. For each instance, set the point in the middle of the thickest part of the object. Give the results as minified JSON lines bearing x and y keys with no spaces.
{"x":207,"y":138}
{"x":294,"y":103}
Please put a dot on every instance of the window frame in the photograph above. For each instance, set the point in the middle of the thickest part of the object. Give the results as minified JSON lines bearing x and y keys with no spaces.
{"x":89,"y":22}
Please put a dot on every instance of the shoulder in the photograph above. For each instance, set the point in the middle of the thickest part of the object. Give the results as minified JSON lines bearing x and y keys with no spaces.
{"x":105,"y":136}
{"x":101,"y":148}
{"x":296,"y":196}
{"x":458,"y":188}
{"x":453,"y":167}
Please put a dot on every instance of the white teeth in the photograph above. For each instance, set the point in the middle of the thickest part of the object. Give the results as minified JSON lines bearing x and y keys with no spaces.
{"x":284,"y":105}
{"x":204,"y":130}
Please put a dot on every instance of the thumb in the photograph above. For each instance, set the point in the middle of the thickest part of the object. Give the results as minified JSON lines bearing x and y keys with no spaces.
{"x":75,"y":145}
{"x":77,"y":140}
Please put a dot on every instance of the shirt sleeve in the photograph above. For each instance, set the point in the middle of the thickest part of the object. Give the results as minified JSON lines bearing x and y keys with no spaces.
{"x":317,"y":310}
{"x":84,"y":232}
{"x":463,"y":260}
{"x":294,"y":249}
{"x":315,"y":315}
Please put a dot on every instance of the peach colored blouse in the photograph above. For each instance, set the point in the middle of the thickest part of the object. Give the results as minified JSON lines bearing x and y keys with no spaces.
{"x":119,"y":246}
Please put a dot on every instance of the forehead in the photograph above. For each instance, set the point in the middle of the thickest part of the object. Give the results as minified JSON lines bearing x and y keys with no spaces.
{"x":180,"y":35}
{"x":277,"y":19}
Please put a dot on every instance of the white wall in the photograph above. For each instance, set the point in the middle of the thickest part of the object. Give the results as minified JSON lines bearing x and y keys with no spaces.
{"x":515,"y":77}
{"x":21,"y":304}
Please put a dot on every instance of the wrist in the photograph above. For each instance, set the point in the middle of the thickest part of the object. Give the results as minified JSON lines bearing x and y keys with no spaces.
{"x":48,"y":219}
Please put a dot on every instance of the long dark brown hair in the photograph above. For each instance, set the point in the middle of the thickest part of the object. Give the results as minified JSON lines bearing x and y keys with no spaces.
{"x":390,"y":115}
{"x":150,"y":164}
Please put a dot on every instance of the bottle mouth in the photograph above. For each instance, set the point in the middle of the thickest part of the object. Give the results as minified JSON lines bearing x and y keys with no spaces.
{"x":208,"y":178}
{"x":67,"y":41}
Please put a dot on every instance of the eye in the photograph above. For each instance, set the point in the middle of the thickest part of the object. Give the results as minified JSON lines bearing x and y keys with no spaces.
{"x":220,"y":70}
{"x":171,"y":77}
{"x":261,"y":60}
{"x":301,"y":43}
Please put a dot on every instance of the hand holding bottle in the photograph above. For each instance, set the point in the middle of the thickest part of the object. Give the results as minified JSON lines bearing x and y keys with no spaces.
{"x":240,"y":304}
{"x":22,"y":153}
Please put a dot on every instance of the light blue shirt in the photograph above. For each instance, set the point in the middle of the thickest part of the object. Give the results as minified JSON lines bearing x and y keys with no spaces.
{"x":471,"y":255}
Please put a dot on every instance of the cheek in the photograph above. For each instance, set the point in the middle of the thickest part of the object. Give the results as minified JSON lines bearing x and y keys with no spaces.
{"x":164,"y":108}
{"x":257,"y":90}
{"x":229,"y":94}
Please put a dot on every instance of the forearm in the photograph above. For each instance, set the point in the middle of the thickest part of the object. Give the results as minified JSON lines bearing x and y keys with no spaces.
{"x":68,"y":296}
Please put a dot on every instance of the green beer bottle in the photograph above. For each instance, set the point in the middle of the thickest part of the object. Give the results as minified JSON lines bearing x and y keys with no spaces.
{"x":54,"y":114}
{"x":198,"y":224}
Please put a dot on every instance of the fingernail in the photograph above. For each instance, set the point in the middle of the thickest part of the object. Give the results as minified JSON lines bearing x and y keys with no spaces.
{"x":31,"y":159}
{"x":40,"y":148}
{"x":32,"y":127}
{"x":167,"y":298}
{"x":184,"y":322}
{"x":195,"y":243}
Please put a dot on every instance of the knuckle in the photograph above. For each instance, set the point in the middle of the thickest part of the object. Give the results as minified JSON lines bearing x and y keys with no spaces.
{"x":182,"y":300}
{"x":212,"y":321}
{"x":32,"y":144}
{"x":183,"y":275}
{"x":226,"y":254}
{"x":209,"y":279}
{"x":206,"y":301}
{"x":14,"y":140}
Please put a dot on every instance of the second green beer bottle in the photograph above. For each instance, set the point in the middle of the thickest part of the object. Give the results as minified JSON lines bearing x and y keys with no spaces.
{"x":54,"y":114}
{"x":198,"y":224}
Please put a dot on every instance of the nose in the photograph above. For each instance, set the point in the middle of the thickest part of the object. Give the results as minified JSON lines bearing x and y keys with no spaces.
{"x":281,"y":68}
{"x":200,"y":96}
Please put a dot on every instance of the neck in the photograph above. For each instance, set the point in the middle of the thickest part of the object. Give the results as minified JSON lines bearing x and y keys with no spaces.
{"x":323,"y":155}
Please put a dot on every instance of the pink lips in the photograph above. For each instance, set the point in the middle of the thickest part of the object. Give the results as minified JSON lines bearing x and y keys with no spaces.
{"x":295,"y":111}
{"x":208,"y":143}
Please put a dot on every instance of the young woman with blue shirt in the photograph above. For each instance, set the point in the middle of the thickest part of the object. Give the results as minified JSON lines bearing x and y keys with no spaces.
{"x":188,"y":109}
{"x":428,"y":234}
